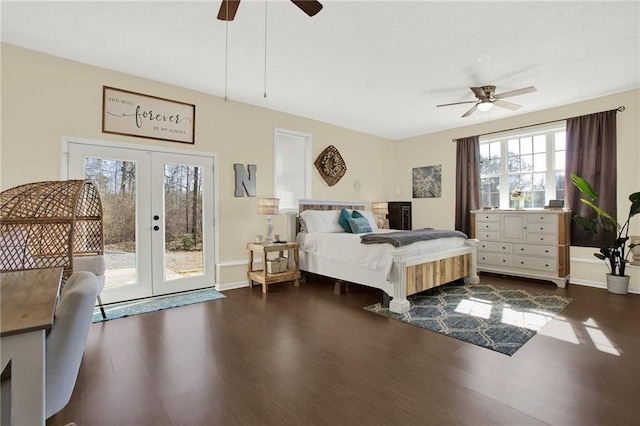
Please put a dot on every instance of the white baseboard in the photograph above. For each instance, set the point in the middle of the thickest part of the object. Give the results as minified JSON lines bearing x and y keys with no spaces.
{"x":232,"y":286}
{"x":597,"y":284}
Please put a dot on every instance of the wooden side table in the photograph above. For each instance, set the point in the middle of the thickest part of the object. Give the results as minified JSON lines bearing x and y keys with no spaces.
{"x":265,"y":278}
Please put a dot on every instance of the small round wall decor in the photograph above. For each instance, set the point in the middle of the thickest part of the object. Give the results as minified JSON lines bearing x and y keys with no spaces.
{"x":330,"y":165}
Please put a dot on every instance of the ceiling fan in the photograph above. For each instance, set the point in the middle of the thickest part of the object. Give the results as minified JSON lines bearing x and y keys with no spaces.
{"x":487,"y":98}
{"x":228,"y":8}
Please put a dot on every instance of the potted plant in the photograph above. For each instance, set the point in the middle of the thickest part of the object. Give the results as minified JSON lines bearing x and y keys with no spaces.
{"x":616,"y":252}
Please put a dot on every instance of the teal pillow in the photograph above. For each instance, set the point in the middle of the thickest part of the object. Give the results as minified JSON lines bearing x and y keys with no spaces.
{"x":342,"y":220}
{"x":356,"y":214}
{"x":359,"y":225}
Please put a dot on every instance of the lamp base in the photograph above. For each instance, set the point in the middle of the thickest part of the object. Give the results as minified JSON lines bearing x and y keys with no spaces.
{"x":269,"y":238}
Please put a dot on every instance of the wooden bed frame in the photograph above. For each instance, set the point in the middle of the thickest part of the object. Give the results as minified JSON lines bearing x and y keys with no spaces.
{"x":409,"y":274}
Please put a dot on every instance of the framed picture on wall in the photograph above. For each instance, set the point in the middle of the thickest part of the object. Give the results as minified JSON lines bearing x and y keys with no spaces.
{"x":427,"y":182}
{"x":145,"y":116}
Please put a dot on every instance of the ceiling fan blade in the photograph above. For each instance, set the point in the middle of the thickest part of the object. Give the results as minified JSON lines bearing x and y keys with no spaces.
{"x":457,"y":103}
{"x":522,"y":91}
{"x":471,"y":111}
{"x":228,"y":10}
{"x":507,"y":105}
{"x":479,"y":92}
{"x":310,"y":7}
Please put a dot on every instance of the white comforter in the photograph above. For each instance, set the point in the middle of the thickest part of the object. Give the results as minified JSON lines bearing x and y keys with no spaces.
{"x":346,"y":247}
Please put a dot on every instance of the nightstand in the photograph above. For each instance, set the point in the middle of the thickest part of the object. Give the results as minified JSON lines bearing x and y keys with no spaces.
{"x":264,"y":276}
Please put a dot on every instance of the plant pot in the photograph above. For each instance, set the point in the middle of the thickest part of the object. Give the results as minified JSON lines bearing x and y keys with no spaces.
{"x":617,"y":284}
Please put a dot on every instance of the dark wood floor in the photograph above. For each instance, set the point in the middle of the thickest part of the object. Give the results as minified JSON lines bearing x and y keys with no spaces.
{"x":304,"y":356}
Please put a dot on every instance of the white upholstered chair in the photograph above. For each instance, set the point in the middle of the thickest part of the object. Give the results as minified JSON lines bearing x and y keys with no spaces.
{"x":96,"y":265}
{"x":64,"y":344}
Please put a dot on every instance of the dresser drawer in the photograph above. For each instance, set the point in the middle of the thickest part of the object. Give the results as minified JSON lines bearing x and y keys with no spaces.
{"x":494,"y":246}
{"x":536,"y":238}
{"x":487,"y":226}
{"x":543,"y":228}
{"x":494,"y":259}
{"x":534,"y":250}
{"x":488,"y":235}
{"x":542,"y":265}
{"x":542,"y":218}
{"x":487,"y":217}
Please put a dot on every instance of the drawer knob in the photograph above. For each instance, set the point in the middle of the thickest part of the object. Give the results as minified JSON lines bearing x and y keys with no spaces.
{"x":504,"y":260}
{"x":521,"y":248}
{"x":541,"y":239}
{"x":504,"y":248}
{"x":546,"y":251}
{"x":522,"y":263}
{"x":483,"y":258}
{"x":546,"y":266}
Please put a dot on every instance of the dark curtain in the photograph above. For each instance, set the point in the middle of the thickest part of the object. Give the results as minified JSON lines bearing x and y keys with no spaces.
{"x":467,"y":181}
{"x":591,"y":154}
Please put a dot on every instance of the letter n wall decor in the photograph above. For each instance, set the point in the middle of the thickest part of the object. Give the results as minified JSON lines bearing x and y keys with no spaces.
{"x":245,"y":179}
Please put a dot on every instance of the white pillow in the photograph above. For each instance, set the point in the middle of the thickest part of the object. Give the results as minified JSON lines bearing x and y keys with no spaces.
{"x":373,"y":221}
{"x":321,"y":220}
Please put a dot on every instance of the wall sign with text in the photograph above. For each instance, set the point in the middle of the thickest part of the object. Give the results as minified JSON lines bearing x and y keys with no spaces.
{"x":134,"y":114}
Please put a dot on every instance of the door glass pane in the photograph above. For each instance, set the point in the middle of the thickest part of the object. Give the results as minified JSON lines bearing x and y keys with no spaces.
{"x":183,"y":255}
{"x":116,"y":181}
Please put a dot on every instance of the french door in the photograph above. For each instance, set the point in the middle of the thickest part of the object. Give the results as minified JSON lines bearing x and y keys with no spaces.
{"x":157,"y":216}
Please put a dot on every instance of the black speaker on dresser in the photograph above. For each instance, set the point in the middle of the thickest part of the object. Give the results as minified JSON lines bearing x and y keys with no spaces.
{"x":399,"y":214}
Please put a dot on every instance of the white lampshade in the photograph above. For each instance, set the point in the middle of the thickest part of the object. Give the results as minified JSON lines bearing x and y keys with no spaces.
{"x":484,"y":106}
{"x":380,"y":207}
{"x":268,"y":206}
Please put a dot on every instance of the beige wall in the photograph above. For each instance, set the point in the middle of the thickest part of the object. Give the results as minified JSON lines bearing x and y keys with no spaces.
{"x":45,"y":98}
{"x":437,"y":148}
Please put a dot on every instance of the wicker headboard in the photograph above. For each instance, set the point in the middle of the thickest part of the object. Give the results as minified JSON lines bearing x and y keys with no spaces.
{"x":327,"y":205}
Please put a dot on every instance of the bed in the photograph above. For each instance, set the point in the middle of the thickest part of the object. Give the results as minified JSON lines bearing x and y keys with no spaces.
{"x":397,"y":271}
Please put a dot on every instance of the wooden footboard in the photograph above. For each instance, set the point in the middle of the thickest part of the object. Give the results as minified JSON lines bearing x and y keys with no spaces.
{"x":413,"y":275}
{"x":432,"y":274}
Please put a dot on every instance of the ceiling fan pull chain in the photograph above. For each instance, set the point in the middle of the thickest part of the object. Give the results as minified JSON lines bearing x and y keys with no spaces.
{"x":265,"y":48}
{"x":226,"y":55}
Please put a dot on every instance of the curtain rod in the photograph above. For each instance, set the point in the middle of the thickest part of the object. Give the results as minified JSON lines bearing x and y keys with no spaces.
{"x":619,"y":109}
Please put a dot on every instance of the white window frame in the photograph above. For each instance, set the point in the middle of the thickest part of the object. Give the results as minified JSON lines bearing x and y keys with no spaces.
{"x":549,"y":130}
{"x":281,"y":184}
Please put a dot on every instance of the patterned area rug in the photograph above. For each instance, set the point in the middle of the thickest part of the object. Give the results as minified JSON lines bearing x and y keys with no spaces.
{"x":497,"y":318}
{"x":135,"y":307}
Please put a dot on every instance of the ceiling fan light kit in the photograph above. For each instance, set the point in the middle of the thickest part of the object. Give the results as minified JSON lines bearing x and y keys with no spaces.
{"x":487,"y":98}
{"x":484,"y":106}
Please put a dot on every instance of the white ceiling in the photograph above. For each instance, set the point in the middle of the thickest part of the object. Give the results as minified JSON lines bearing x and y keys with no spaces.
{"x":379,"y":67}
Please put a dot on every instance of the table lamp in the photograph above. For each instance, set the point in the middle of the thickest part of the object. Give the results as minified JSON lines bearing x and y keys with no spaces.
{"x":381,"y":210}
{"x":268,"y":207}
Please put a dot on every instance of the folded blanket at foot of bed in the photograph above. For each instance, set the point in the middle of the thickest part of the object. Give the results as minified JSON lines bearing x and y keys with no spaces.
{"x":403,"y":238}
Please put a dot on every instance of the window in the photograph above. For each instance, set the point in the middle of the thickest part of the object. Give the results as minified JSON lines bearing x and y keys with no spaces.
{"x":292,"y":168}
{"x":530,"y":160}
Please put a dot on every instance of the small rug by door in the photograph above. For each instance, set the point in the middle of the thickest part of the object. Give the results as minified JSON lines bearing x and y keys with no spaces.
{"x":496,"y":318}
{"x":141,"y":306}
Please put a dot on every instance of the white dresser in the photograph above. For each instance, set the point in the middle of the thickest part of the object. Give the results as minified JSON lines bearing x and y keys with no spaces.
{"x":526,"y":243}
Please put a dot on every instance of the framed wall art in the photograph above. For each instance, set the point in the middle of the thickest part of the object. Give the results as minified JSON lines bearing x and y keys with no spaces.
{"x":135,"y":114}
{"x":427,"y":182}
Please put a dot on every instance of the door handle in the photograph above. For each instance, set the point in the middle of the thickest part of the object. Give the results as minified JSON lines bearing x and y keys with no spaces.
{"x":156,"y":217}
{"x":156,"y":228}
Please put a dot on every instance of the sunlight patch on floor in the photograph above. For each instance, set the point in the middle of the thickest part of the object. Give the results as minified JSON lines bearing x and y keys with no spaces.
{"x":531,"y":320}
{"x":476,"y":307}
{"x":560,"y":329}
{"x":599,"y":339}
